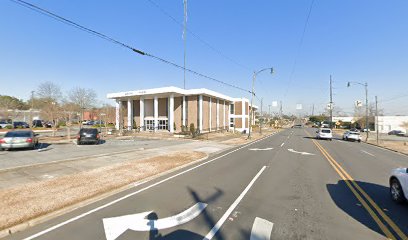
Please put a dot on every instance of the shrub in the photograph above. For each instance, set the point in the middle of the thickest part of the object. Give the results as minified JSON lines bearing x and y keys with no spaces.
{"x":8,"y":127}
{"x":192,"y":128}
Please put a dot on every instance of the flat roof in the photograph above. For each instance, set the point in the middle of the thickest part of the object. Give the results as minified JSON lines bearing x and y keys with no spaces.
{"x":165,"y":91}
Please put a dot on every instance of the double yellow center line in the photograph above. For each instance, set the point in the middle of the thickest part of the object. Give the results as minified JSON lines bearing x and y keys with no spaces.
{"x":368,"y":203}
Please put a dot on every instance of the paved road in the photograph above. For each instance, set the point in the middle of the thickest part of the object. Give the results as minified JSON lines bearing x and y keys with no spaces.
{"x":288,"y":186}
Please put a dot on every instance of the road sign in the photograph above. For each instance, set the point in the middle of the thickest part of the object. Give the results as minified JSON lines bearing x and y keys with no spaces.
{"x":358,"y":103}
{"x":298,"y":106}
{"x":329,"y":106}
{"x":274,"y":103}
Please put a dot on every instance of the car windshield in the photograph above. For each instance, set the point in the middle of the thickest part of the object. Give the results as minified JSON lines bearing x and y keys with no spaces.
{"x":326,"y":131}
{"x":354,"y":133}
{"x":89,"y":130}
{"x":18,"y":134}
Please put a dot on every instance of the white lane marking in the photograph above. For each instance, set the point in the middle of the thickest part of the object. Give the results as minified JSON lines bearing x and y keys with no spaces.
{"x":303,"y":153}
{"x":116,"y":226}
{"x":224,"y":217}
{"x":368,"y":153}
{"x":282,"y":144}
{"x":260,"y":149}
{"x":136,"y":192}
{"x":261,"y":230}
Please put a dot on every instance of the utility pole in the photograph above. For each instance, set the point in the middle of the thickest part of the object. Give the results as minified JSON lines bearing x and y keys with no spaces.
{"x":260,"y":118}
{"x":313,"y":109}
{"x":269,"y":112}
{"x":376,"y":116}
{"x":280,"y":114}
{"x":366,"y":92}
{"x":184,"y":38}
{"x":331,"y":102}
{"x":32,"y":107}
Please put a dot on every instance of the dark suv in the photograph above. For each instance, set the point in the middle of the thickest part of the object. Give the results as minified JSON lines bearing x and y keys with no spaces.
{"x":88,"y":135}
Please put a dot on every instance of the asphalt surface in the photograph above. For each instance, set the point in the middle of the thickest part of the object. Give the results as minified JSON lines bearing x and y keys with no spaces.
{"x":50,"y":152}
{"x":284,"y":180}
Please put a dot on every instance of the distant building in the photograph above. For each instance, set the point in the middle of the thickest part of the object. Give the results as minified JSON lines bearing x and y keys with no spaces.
{"x":388,"y":123}
{"x":171,"y":109}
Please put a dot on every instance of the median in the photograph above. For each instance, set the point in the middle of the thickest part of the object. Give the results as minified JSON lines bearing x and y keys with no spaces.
{"x":64,"y":193}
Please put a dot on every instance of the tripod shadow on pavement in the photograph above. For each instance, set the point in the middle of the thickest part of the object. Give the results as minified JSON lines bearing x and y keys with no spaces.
{"x":346,"y":201}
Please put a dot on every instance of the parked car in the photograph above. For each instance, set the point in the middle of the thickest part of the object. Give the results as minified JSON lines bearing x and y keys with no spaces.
{"x":352,"y":135}
{"x":5,"y":123}
{"x":399,"y":185}
{"x":88,"y":135}
{"x":365,"y":130}
{"x":47,"y":124}
{"x":19,"y":139}
{"x":324,"y":133}
{"x":20,"y":125}
{"x":37,"y":123}
{"x":396,"y":132}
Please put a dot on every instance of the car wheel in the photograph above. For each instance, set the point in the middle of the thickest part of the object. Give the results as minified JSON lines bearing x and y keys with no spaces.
{"x":396,"y":191}
{"x":359,"y":140}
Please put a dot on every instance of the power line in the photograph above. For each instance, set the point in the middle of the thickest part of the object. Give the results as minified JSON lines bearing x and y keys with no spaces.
{"x":198,"y":37}
{"x":299,"y":47}
{"x":112,"y":40}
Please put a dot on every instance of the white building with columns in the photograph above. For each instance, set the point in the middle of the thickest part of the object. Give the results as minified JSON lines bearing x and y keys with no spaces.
{"x":171,"y":108}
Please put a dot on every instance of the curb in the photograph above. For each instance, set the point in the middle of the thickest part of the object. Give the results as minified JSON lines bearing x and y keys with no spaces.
{"x":389,"y":149}
{"x":41,"y":219}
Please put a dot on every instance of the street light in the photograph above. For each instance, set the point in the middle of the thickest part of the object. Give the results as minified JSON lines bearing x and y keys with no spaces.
{"x":366,"y":95}
{"x":252,"y":97}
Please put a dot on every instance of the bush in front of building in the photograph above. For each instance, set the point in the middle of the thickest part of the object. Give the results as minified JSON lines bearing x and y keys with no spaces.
{"x":192,"y":128}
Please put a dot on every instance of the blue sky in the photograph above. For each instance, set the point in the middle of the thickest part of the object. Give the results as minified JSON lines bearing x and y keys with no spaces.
{"x":364,"y":41}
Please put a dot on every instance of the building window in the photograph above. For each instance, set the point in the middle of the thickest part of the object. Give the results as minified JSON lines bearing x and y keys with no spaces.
{"x":231,"y":122}
{"x":149,"y":124}
{"x":232,"y":109}
{"x":163,"y":124}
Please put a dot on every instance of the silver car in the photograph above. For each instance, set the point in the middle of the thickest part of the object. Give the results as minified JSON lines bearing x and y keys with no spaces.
{"x":19,"y":139}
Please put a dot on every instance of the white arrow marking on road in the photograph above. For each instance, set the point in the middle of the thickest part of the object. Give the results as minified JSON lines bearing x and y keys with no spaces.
{"x":261,"y":230}
{"x":260,"y":149}
{"x":115,"y":226}
{"x":303,"y":153}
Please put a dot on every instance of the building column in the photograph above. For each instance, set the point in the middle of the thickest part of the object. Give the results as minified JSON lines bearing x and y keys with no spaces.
{"x":210,"y":124}
{"x":117,"y":112}
{"x":184,"y":111}
{"x":171,"y":113}
{"x":156,"y":112}
{"x":218,"y":114}
{"x":225,"y":125}
{"x":130,"y":114}
{"x":141,"y":124}
{"x":244,"y":113}
{"x":200,"y":112}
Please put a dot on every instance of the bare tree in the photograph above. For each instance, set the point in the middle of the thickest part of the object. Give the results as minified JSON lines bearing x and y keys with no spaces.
{"x":49,"y":91}
{"x":82,"y":98}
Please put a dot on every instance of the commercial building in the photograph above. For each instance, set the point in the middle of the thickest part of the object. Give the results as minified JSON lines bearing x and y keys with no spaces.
{"x":172,"y":109}
{"x":388,"y":123}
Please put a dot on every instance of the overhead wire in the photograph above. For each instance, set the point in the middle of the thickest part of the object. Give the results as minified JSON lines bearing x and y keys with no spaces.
{"x":113,"y":40}
{"x":299,"y":48}
{"x":155,"y":4}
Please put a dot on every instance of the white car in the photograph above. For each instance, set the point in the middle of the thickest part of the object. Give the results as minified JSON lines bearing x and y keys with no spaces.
{"x":399,"y":185}
{"x":324,"y":133}
{"x":351,"y":135}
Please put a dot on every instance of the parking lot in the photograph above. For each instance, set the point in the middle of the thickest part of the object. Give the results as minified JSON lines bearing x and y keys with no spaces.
{"x":49,"y":152}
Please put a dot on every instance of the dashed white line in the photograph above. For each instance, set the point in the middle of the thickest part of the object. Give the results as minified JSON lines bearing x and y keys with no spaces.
{"x":282,"y":144}
{"x":261,"y":229}
{"x":368,"y":153}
